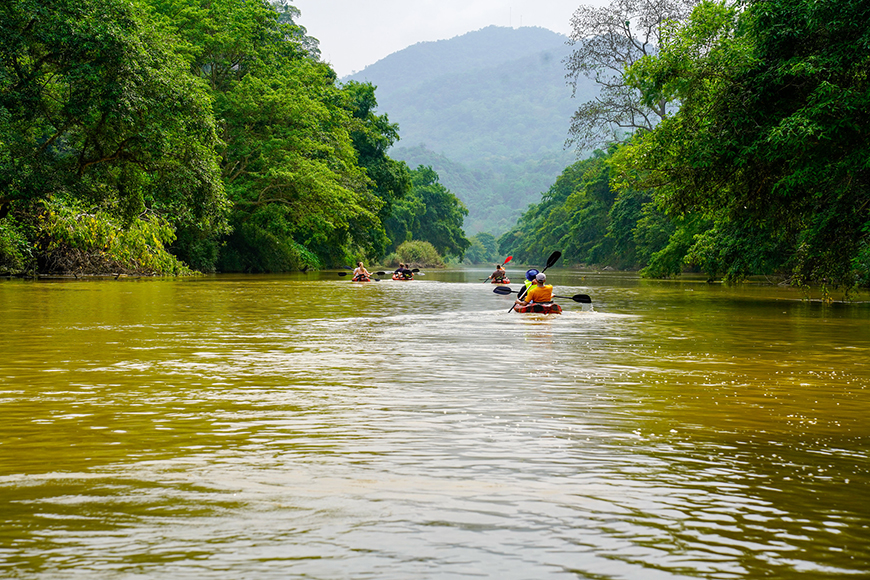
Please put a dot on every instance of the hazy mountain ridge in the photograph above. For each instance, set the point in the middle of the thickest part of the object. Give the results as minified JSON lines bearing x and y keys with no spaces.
{"x":481,"y":49}
{"x":489,"y":110}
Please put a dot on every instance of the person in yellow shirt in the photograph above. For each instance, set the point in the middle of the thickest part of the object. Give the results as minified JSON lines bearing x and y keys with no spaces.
{"x":540,"y":292}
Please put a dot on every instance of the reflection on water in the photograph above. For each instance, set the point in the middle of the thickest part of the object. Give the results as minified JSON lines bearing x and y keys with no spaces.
{"x":306,"y":426}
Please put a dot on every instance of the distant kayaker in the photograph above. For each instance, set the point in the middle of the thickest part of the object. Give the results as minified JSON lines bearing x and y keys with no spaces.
{"x":540,"y":292}
{"x":403,"y":271}
{"x":499,"y":275}
{"x":360,"y":273}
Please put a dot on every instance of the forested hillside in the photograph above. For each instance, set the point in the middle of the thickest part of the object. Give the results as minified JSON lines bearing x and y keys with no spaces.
{"x":489,"y":110}
{"x":155,"y":136}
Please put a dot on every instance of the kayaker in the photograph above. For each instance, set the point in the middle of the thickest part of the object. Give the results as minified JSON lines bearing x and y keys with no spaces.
{"x":360,"y":273}
{"x":529,"y":281}
{"x":541,"y":291}
{"x":499,"y":275}
{"x":403,"y":271}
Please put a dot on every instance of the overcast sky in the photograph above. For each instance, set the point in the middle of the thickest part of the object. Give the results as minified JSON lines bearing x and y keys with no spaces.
{"x":356,"y":33}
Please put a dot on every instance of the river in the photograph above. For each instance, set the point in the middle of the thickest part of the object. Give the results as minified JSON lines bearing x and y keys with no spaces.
{"x":304,"y":426}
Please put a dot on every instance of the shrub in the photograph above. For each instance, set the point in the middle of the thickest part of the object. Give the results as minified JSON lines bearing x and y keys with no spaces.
{"x":70,"y":239}
{"x":419,"y":254}
{"x":14,"y":249}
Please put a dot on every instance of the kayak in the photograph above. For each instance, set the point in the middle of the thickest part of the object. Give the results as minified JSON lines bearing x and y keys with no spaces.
{"x":362,"y":279}
{"x":502,"y":281}
{"x":402,"y":278}
{"x":540,"y":308}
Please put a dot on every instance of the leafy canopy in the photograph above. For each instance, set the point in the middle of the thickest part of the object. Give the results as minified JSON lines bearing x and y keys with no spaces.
{"x":771,"y":139}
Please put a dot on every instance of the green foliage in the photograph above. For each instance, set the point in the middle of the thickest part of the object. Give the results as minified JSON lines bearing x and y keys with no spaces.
{"x":71,"y":238}
{"x":771,"y":140}
{"x":484,"y":248}
{"x":651,"y":232}
{"x":372,"y":136}
{"x":861,"y":264}
{"x":15,"y":251}
{"x":290,"y":165}
{"x":304,"y":161}
{"x":429,"y":213}
{"x":581,"y":216}
{"x":633,"y":230}
{"x":112,"y":108}
{"x":671,"y":257}
{"x":736,"y":250}
{"x":496,"y":190}
{"x":417,"y":253}
{"x":97,"y":105}
{"x":255,"y":249}
{"x":96,"y":102}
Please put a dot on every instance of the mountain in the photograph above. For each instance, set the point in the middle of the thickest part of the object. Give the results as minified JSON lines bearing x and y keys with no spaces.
{"x":488,"y":110}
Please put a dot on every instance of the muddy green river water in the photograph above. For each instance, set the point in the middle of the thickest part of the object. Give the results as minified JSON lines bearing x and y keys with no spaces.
{"x":304,"y":426}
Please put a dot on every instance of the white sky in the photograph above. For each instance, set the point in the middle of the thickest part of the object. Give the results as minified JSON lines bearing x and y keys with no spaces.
{"x":356,"y":33}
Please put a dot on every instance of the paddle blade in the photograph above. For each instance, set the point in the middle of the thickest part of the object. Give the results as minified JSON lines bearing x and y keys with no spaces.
{"x":554,"y":257}
{"x":342,"y":273}
{"x":502,"y":290}
{"x":582,"y":298}
{"x":509,"y":258}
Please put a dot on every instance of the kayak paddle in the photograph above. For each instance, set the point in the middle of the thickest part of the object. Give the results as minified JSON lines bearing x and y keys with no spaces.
{"x":415,"y":270}
{"x":583,"y":298}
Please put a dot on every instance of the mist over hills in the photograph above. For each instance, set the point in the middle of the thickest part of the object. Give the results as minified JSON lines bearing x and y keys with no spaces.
{"x":488,"y":110}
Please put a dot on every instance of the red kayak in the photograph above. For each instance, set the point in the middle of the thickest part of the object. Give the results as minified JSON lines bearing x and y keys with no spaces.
{"x":361,"y":279}
{"x":502,"y":281}
{"x":540,"y":308}
{"x":402,"y":278}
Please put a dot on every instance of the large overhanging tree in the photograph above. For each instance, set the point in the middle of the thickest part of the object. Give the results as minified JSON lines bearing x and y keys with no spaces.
{"x":107,"y":142}
{"x":606,"y":41}
{"x":288,"y":163}
{"x":96,"y":105}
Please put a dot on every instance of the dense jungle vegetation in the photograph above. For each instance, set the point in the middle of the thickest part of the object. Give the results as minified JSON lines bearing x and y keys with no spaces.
{"x":739,"y":143}
{"x":156,"y":136}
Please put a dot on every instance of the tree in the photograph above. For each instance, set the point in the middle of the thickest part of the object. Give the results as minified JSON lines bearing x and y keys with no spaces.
{"x":372,"y":136}
{"x":289,"y":161}
{"x":97,"y":106}
{"x":429,"y":213}
{"x":483,"y":248}
{"x":606,"y":41}
{"x":771,"y":139}
{"x":289,"y":14}
{"x":572,"y":216}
